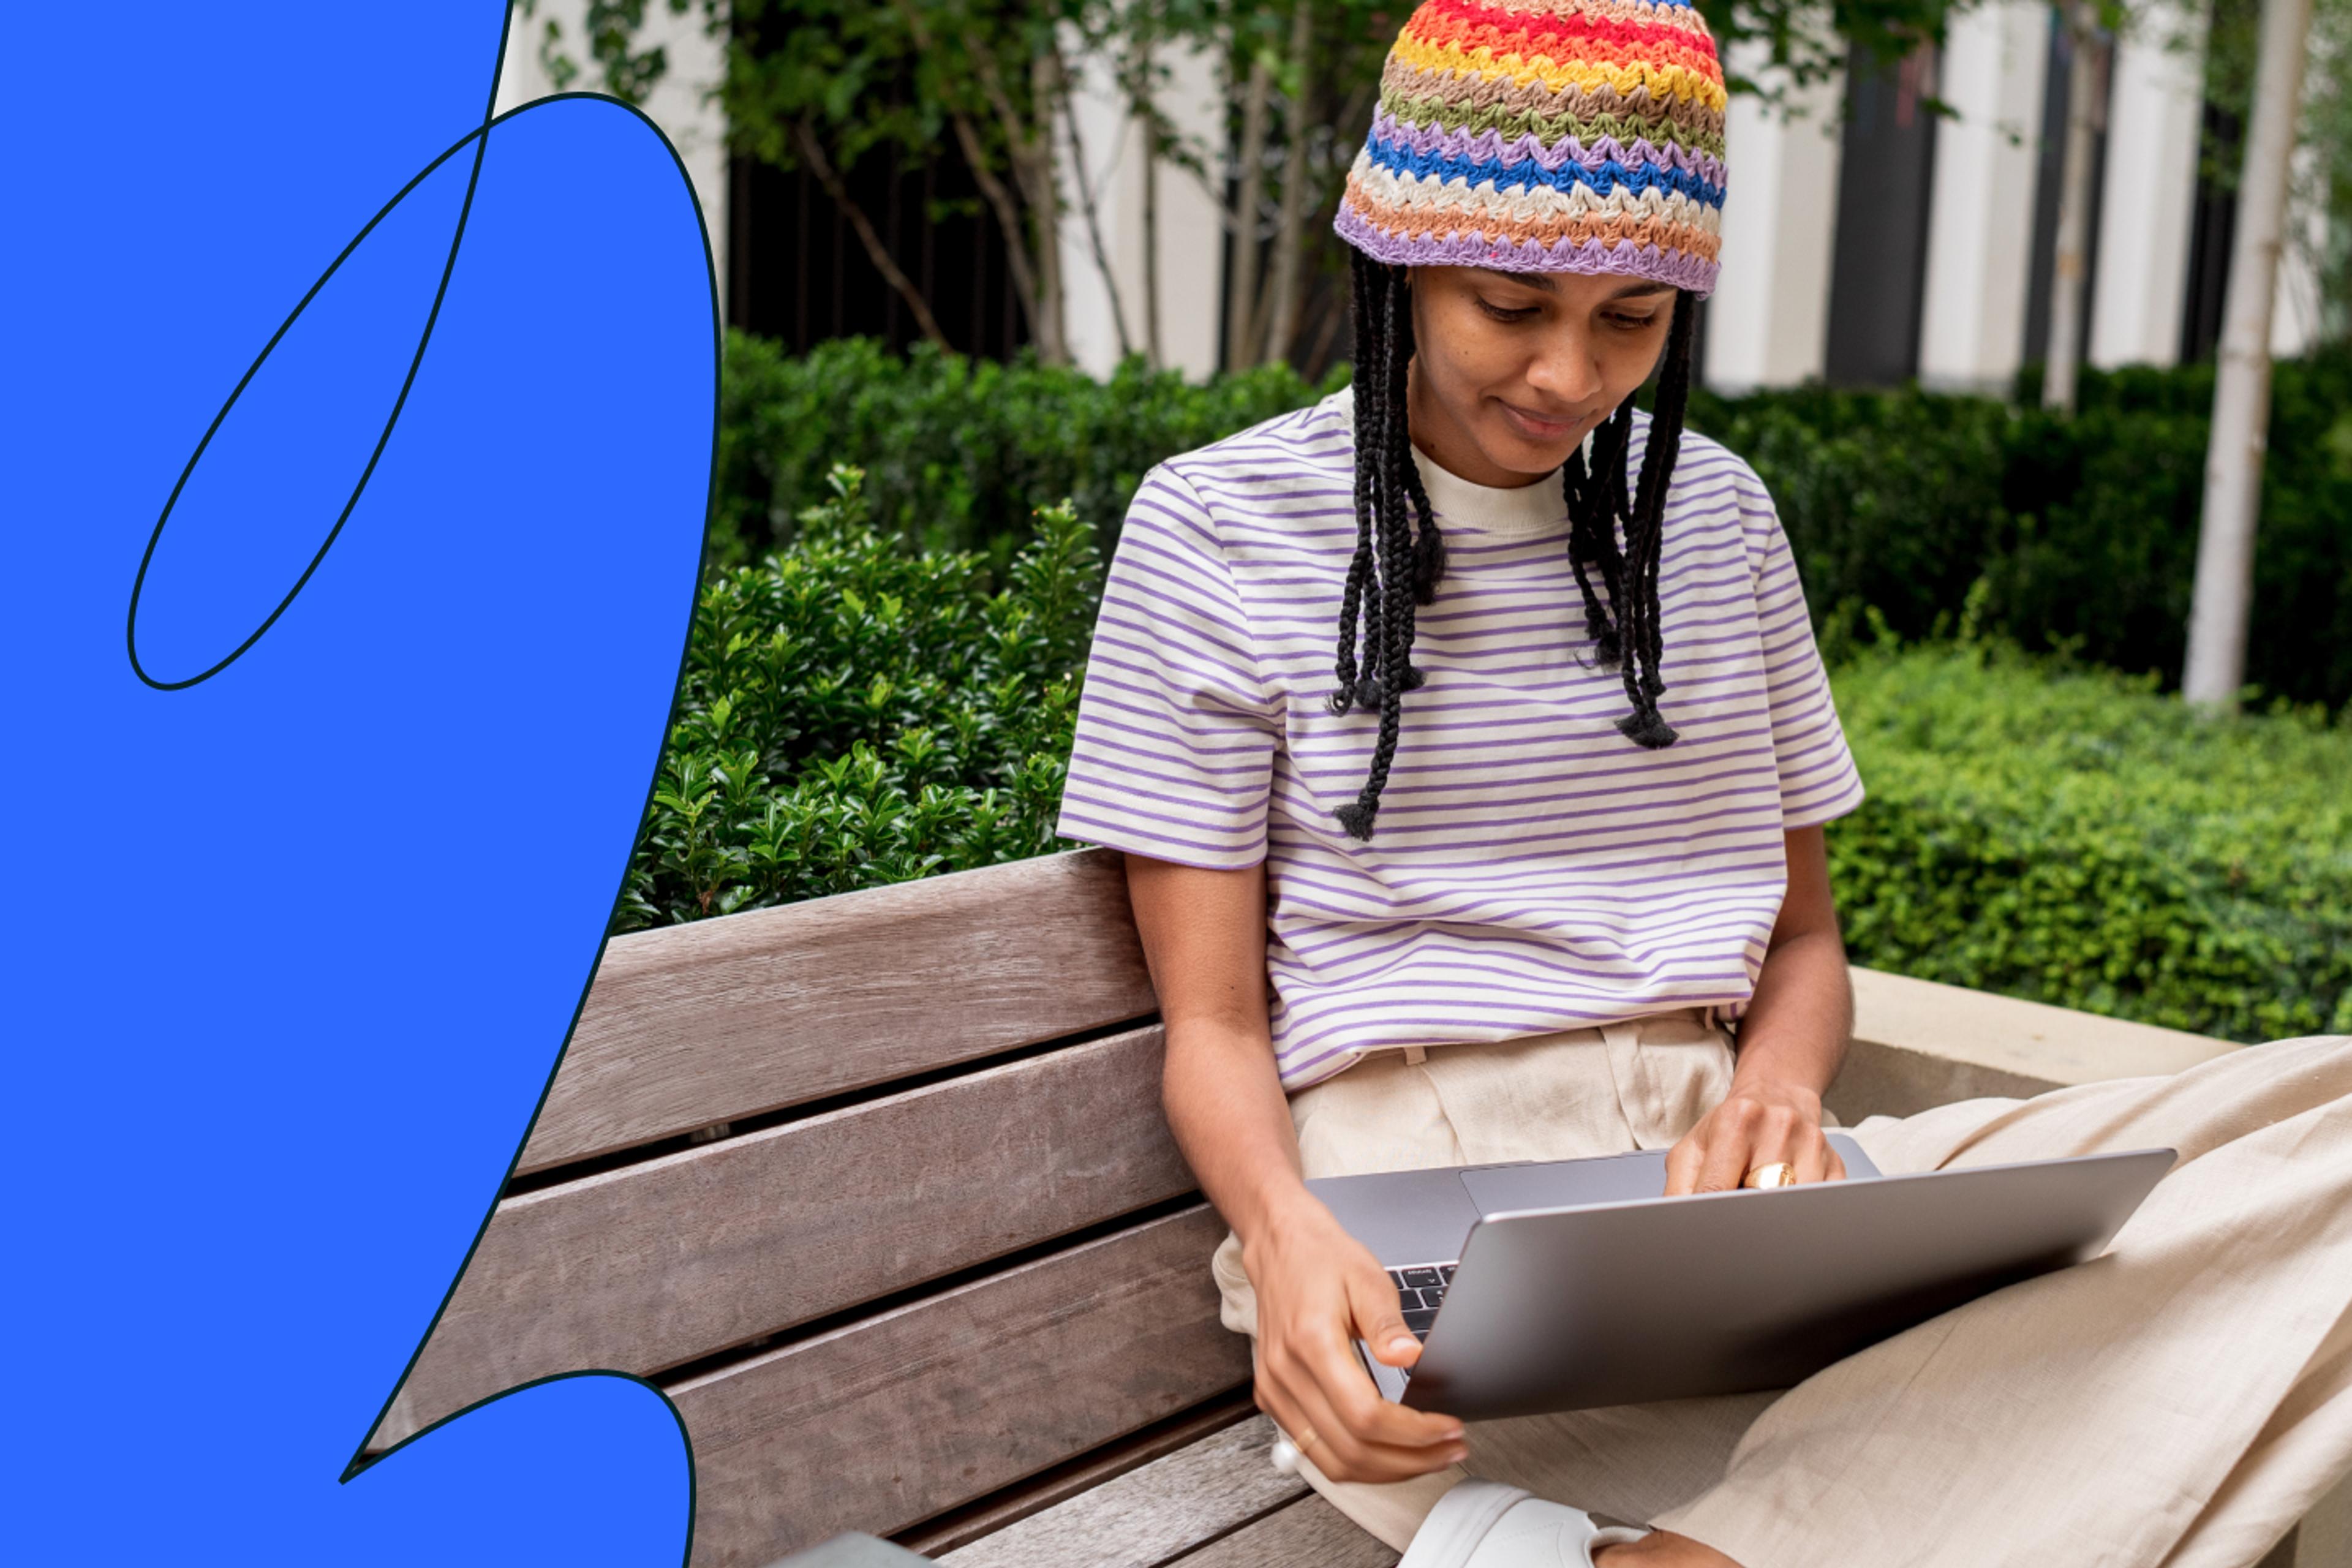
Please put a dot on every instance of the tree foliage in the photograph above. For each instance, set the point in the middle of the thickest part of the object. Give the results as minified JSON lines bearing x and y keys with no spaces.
{"x":844,"y":87}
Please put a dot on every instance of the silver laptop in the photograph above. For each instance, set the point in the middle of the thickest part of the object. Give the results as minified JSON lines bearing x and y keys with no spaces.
{"x":1564,"y":1285}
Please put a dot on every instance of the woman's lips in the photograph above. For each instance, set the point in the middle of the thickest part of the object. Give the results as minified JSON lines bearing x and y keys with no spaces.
{"x":1536,"y":428}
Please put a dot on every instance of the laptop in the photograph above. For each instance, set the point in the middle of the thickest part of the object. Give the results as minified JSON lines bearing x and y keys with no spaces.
{"x":1570,"y":1284}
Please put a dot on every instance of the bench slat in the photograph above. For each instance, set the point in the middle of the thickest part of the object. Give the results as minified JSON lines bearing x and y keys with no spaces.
{"x":1148,"y":1516}
{"x":885,"y":1423}
{"x":713,"y":1020}
{"x":983,"y":1517}
{"x":1310,"y":1533}
{"x":661,"y":1263}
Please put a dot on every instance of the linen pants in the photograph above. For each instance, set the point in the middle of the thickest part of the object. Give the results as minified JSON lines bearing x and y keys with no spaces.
{"x":2178,"y":1401}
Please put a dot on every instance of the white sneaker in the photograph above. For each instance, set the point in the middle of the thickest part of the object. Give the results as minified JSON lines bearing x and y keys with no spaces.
{"x":1484,"y":1524}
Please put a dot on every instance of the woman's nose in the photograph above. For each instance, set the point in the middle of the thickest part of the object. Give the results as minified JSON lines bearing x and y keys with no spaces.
{"x":1567,"y":374}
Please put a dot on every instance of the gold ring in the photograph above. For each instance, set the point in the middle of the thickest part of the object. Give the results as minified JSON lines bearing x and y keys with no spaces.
{"x":1306,"y":1439}
{"x":1778,"y":1173}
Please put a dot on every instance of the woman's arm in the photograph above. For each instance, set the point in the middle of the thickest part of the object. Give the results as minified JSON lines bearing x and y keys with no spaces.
{"x":1318,"y":1288}
{"x":1791,"y":1040}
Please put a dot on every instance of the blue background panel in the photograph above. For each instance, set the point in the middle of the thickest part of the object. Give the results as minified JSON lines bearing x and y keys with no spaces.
{"x":291,"y":952}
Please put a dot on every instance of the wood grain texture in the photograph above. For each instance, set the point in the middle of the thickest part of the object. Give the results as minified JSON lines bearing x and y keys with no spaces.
{"x":1310,"y":1533}
{"x":885,"y":1423}
{"x":661,"y":1263}
{"x":1150,"y":1515}
{"x":985,"y":1516}
{"x":725,"y":1018}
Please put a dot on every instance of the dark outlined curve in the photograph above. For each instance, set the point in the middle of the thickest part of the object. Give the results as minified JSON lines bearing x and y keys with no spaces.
{"x":480,"y":137}
{"x":361,"y":1460}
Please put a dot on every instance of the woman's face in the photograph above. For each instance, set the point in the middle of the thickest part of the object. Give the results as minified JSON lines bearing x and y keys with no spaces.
{"x":1513,"y":369}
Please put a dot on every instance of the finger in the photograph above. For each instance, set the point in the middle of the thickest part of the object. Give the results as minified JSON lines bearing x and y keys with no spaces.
{"x":1812,"y":1157}
{"x":1779,"y":1135}
{"x":1836,"y":1172}
{"x":1377,"y":1319}
{"x":1319,"y":1439}
{"x":1337,"y":1449}
{"x":1271,"y":1397}
{"x":1349,"y":1393}
{"x":1682,"y":1161}
{"x":1730,"y":1148}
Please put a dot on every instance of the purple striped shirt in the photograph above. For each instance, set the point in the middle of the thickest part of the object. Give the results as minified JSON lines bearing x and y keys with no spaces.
{"x":1531,"y":869}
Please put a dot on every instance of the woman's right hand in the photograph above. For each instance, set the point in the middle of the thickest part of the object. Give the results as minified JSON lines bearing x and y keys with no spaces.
{"x":1317,"y":1290}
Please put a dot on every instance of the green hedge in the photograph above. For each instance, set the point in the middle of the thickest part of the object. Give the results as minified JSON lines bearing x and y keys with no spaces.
{"x":853,"y":713}
{"x":958,"y":452}
{"x":2082,"y":531}
{"x":2074,"y":836}
{"x":856,"y":712}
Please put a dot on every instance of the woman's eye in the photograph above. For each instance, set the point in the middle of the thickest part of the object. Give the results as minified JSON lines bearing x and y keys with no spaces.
{"x":1502,"y":314}
{"x":1629,"y":323}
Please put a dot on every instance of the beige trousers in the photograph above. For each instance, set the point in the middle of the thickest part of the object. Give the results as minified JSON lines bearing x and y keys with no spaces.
{"x":2178,"y":1402}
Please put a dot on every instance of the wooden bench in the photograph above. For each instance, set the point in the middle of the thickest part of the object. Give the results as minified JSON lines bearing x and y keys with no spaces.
{"x":878,"y":1191}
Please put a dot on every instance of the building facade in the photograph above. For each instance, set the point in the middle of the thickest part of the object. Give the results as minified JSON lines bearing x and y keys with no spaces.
{"x":1868,"y":239}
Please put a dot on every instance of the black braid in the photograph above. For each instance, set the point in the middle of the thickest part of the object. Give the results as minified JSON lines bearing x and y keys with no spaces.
{"x":1352,"y":598}
{"x":1429,"y":542}
{"x":1408,"y":569}
{"x":1595,"y":501}
{"x":1399,"y":556}
{"x":1644,"y":531}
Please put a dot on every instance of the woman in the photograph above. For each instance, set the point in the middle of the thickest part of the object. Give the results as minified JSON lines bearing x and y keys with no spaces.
{"x":1477,"y":718}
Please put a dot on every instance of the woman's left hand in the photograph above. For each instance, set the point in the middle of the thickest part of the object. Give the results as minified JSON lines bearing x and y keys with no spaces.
{"x":1757,"y":1124}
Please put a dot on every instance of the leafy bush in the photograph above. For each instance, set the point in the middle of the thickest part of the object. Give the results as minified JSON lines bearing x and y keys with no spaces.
{"x":853,"y":713}
{"x":2072,"y":837}
{"x":856,"y":711}
{"x":958,"y":451}
{"x":1891,"y":501}
{"x":2082,"y":531}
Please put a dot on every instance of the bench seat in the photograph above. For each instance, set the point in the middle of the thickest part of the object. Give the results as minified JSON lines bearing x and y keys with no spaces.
{"x":876,"y":1191}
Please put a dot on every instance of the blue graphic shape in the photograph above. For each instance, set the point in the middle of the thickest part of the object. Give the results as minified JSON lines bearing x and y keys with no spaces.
{"x":291,"y":951}
{"x":251,"y":519}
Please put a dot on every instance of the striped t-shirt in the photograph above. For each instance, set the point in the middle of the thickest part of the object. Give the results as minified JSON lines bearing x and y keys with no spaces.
{"x":1531,"y":869}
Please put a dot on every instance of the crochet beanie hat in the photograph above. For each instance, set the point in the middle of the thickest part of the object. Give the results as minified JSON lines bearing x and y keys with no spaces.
{"x":1546,"y":136}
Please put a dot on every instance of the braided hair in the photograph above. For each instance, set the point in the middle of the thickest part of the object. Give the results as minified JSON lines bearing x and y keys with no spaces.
{"x":1400,"y":556}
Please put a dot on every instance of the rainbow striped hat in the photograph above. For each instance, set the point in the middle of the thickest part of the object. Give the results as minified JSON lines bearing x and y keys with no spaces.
{"x":1546,"y":136}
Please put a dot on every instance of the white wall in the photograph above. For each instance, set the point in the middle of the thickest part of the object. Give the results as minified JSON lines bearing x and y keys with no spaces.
{"x":1190,"y":232}
{"x":1767,"y":322}
{"x":2295,"y":309}
{"x":678,"y":104}
{"x":2148,"y":211}
{"x":1980,"y":213}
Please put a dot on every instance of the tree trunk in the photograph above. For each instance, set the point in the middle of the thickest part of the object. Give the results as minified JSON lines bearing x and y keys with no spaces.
{"x":2069,"y":274}
{"x":1032,"y":224}
{"x":1241,"y":278}
{"x":1150,"y":111}
{"x":1289,"y":247}
{"x":2242,"y":388}
{"x":1045,"y":326}
{"x":812,"y":154}
{"x":1035,"y":157}
{"x":1090,"y":207}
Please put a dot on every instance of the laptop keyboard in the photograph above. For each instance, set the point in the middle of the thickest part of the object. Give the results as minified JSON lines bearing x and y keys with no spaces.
{"x":1421,"y":1288}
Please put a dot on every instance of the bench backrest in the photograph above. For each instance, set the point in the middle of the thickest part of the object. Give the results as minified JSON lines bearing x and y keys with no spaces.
{"x":876,"y":1188}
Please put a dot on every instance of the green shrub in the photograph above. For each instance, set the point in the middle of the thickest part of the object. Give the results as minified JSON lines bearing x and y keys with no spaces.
{"x":853,"y":713}
{"x":2082,"y":531}
{"x":1891,"y":500}
{"x":2073,"y":837}
{"x":958,"y":452}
